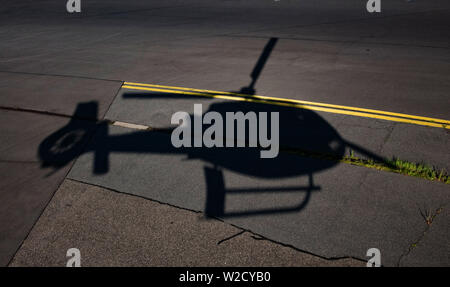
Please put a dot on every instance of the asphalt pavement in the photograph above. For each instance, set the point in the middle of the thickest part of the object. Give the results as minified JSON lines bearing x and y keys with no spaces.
{"x":61,"y":74}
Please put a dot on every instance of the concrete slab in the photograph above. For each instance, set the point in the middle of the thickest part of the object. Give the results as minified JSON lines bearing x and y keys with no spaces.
{"x":348,"y":215}
{"x":113,"y":229}
{"x":56,"y":94}
{"x":25,"y":190}
{"x":26,"y":183}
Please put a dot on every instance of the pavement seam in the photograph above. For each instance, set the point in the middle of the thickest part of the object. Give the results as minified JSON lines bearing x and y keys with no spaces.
{"x":257,"y":236}
{"x":344,"y":21}
{"x":60,"y":75}
{"x":336,"y":41}
{"x":231,"y":237}
{"x":113,"y":100}
{"x":42,"y":112}
{"x":128,"y":12}
{"x":19,"y":161}
{"x":254,"y":235}
{"x":136,"y":195}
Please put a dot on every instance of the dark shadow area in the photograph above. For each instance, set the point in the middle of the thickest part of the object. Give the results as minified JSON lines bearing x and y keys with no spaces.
{"x":250,"y":89}
{"x":298,"y":129}
{"x":67,"y":143}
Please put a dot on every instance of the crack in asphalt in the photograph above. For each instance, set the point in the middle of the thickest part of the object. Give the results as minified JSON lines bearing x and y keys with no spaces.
{"x":428,"y":223}
{"x":231,"y":237}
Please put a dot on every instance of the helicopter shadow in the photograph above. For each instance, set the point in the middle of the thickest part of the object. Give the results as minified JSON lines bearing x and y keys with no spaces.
{"x":299,"y":129}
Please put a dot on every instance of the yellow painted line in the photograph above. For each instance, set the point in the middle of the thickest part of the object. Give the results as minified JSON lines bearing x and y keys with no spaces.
{"x":294,"y":103}
{"x":442,"y":121}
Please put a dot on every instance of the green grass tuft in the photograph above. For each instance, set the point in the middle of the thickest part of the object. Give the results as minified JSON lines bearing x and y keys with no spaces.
{"x":396,"y":165}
